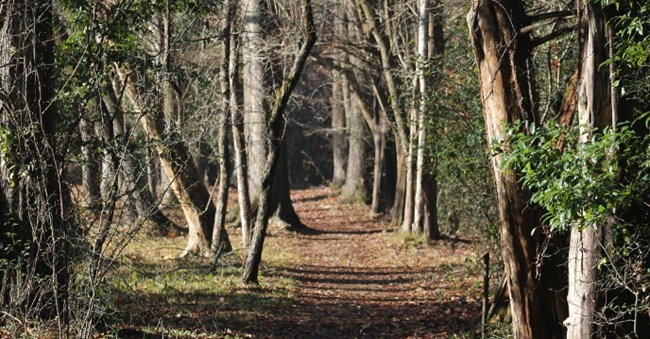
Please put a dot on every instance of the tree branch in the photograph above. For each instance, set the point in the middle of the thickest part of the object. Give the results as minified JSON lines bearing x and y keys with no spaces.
{"x":553,"y":35}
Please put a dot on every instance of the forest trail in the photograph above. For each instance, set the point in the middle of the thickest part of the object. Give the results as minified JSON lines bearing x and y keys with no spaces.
{"x":351,"y":278}
{"x":356,"y":278}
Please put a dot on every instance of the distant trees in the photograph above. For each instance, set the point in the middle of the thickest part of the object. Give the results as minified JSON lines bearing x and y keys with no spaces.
{"x":394,"y":97}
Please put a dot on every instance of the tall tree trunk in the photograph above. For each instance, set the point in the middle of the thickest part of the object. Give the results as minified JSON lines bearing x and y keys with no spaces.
{"x":503,"y":57}
{"x":594,"y":108}
{"x":275,"y":127}
{"x":354,"y":189}
{"x":338,"y":131}
{"x":219,"y":233}
{"x":377,"y":125}
{"x":254,"y":95}
{"x":425,"y":209}
{"x":338,"y":105}
{"x":379,"y":142}
{"x":239,"y":143}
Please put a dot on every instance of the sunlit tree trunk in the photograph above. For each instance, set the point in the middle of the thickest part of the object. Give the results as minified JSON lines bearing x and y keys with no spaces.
{"x":503,"y":56}
{"x":354,"y":189}
{"x":275,"y":128}
{"x":254,"y":110}
{"x":338,"y":130}
{"x":420,"y":64}
{"x":426,"y":192}
{"x":90,"y":175}
{"x":175,"y":159}
{"x":239,"y":143}
{"x":377,"y":125}
{"x":594,"y":108}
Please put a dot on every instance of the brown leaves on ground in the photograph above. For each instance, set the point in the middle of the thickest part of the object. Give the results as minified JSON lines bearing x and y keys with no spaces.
{"x":353,"y":277}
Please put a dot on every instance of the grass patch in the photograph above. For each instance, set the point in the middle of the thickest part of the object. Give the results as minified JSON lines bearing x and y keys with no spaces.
{"x":410,"y":240}
{"x":152,"y":293}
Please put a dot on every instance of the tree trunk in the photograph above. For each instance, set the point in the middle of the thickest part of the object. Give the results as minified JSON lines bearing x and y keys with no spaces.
{"x":338,"y":105}
{"x":219,"y":233}
{"x":503,"y":57}
{"x":377,"y":125}
{"x":594,"y":108}
{"x":90,"y":175}
{"x":421,"y":131}
{"x":177,"y":163}
{"x":401,"y":129}
{"x":379,"y":143}
{"x":254,"y":95}
{"x":354,"y":189}
{"x":338,"y":131}
{"x":285,"y":215}
{"x":275,"y":127}
{"x":426,"y":186}
{"x":239,"y":143}
{"x":397,"y":210}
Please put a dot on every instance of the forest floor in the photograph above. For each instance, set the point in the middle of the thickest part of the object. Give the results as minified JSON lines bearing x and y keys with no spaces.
{"x":353,"y":277}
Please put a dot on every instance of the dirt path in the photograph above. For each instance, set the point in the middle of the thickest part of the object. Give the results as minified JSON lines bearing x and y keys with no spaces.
{"x":352,"y":278}
{"x":356,"y":278}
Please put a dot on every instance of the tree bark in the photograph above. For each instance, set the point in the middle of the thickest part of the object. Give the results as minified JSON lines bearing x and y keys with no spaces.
{"x":503,"y":57}
{"x":421,"y":131}
{"x":377,"y":125}
{"x":338,"y":131}
{"x":426,"y":186}
{"x":594,"y":108}
{"x":354,"y":189}
{"x":254,"y":111}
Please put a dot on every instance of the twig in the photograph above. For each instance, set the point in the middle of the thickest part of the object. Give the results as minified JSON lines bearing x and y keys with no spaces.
{"x":21,"y":323}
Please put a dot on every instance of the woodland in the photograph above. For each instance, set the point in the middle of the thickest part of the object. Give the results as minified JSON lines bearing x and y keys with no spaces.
{"x":324,"y":169}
